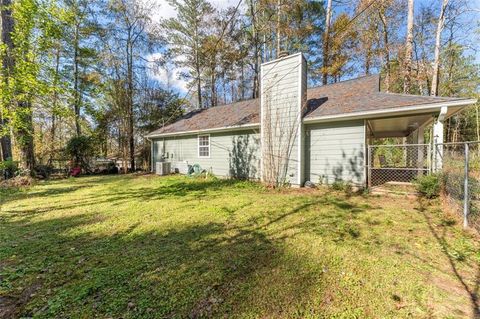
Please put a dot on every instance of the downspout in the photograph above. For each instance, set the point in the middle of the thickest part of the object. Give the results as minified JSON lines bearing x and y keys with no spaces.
{"x":151,"y":153}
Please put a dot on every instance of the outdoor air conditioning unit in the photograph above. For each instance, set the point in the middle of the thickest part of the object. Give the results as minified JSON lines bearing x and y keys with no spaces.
{"x":181,"y":167}
{"x":162,"y":168}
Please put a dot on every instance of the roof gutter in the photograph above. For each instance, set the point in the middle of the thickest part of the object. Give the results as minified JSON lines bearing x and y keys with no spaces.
{"x":404,"y":110}
{"x":210,"y":130}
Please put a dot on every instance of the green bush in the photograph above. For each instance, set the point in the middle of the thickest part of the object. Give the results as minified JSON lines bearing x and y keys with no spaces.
{"x":80,"y":150}
{"x":338,"y":185}
{"x":343,"y":186}
{"x":428,"y":185}
{"x":8,"y":168}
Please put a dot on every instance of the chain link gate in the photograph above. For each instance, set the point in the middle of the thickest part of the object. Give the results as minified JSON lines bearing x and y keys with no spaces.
{"x":398,"y":163}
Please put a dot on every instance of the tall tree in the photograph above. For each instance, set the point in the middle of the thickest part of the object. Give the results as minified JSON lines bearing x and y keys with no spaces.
{"x":326,"y":41}
{"x":185,"y":35}
{"x":6,"y":72}
{"x":407,"y":81}
{"x":130,"y":22}
{"x":80,"y":28}
{"x":255,"y":42}
{"x":386,"y":46}
{"x":25,"y":78}
{"x":436,"y":61}
{"x":343,"y":41}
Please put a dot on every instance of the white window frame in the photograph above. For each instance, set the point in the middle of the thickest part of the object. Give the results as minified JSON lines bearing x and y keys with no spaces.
{"x":198,"y":145}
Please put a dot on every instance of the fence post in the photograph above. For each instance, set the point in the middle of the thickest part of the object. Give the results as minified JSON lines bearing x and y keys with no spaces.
{"x":429,"y":158}
{"x":369,"y":167}
{"x":466,"y":204}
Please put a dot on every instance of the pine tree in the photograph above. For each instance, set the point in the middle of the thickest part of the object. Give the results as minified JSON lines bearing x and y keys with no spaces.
{"x":185,"y":35}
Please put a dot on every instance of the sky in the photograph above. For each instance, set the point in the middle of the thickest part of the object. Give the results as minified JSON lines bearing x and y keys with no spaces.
{"x":172,"y":79}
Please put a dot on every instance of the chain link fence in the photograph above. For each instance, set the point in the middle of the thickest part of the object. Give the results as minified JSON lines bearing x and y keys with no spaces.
{"x":459,"y":165}
{"x":399,"y":163}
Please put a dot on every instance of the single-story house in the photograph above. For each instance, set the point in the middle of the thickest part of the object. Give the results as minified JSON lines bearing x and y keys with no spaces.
{"x":297,"y":133}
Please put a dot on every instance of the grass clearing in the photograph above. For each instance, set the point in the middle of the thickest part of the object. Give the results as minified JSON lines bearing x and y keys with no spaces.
{"x":175,"y":247}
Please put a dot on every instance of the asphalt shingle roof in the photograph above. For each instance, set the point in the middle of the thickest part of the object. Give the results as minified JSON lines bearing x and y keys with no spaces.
{"x":352,"y":96}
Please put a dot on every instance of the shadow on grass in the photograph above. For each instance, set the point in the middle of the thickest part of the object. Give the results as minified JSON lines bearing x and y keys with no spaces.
{"x":182,"y":188}
{"x":440,"y":236}
{"x":19,"y":194}
{"x":194,"y":271}
{"x":79,"y":268}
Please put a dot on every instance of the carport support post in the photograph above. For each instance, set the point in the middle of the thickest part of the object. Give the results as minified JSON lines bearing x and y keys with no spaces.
{"x":438,"y":139}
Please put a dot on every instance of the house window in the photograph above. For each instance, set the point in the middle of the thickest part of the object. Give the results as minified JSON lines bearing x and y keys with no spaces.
{"x":204,"y":146}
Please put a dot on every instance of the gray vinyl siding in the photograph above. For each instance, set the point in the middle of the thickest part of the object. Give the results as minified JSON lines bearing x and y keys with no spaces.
{"x":335,"y":152}
{"x":232,"y":154}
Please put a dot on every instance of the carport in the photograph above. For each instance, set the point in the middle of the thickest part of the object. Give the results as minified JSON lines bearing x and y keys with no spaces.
{"x":398,"y":150}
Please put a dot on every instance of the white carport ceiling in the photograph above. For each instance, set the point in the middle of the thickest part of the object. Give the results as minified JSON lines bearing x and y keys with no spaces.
{"x":398,"y":126}
{"x":402,"y":126}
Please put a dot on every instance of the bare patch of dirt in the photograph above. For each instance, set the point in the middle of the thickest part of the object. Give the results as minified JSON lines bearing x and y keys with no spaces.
{"x":456,"y":291}
{"x":11,"y":307}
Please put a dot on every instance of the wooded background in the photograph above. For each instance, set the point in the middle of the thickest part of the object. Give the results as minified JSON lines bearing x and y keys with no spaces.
{"x":89,"y":70}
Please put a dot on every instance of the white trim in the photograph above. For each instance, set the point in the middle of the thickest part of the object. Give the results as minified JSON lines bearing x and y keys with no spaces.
{"x":198,"y":145}
{"x":262,"y":137}
{"x":300,"y":122}
{"x":281,"y":59}
{"x":365,"y":153}
{"x":407,"y":110}
{"x":208,"y":130}
{"x":443,"y":113}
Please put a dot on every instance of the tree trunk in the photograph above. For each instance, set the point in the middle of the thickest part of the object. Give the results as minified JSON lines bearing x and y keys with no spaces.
{"x":368,"y":61}
{"x":386,"y":43}
{"x":436,"y":61}
{"x":213,"y":87}
{"x":256,"y":68}
{"x":197,"y":69}
{"x":199,"y":86}
{"x":407,"y":81}
{"x":7,"y":66}
{"x":54,"y":106}
{"x":131,"y":138}
{"x":76,"y":90}
{"x":326,"y":39}
{"x":242,"y":82}
{"x":478,"y":123}
{"x":25,"y":136}
{"x":279,"y":35}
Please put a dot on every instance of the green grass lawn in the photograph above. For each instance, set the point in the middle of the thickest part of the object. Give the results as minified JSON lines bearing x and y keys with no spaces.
{"x":175,"y":247}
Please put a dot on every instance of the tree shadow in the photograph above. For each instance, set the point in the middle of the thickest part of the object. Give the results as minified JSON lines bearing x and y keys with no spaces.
{"x":187,"y":271}
{"x":50,"y":192}
{"x":440,"y":237}
{"x":351,"y":169}
{"x":182,"y":189}
{"x":242,"y":159}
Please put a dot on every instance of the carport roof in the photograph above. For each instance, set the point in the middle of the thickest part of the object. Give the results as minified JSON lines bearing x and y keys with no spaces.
{"x":357,"y":98}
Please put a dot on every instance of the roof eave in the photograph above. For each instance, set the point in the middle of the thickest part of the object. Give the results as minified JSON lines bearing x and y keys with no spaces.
{"x":210,"y":130}
{"x":397,"y":111}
